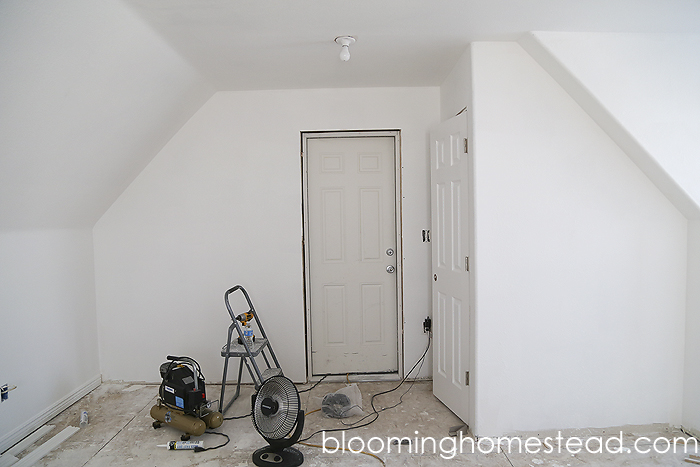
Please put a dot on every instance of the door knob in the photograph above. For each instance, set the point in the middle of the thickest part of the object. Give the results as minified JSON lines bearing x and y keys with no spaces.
{"x":390,"y":269}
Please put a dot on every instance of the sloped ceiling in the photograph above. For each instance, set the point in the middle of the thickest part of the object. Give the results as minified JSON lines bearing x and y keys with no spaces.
{"x":88,"y":95}
{"x":643,"y":90}
{"x":91,"y":90}
{"x":281,"y":44}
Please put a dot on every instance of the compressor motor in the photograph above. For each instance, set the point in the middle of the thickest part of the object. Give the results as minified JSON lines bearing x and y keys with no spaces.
{"x":183,"y":385}
{"x":182,"y":400}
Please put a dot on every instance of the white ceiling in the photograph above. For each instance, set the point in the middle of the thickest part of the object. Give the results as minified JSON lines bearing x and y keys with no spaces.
{"x":283,"y":44}
{"x":91,"y":90}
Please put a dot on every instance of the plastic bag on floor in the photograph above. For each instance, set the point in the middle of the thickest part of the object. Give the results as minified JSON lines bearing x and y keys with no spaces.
{"x":345,"y":402}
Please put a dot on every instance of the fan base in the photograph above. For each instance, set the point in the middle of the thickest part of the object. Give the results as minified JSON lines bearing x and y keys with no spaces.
{"x":269,"y":457}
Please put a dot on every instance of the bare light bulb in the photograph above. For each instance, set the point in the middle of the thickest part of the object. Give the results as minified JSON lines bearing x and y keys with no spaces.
{"x":345,"y":53}
{"x":345,"y":42}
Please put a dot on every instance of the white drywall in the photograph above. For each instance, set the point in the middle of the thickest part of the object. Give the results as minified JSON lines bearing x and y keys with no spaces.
{"x":88,"y":95}
{"x":581,"y":263}
{"x":48,"y":333}
{"x":644,"y":90}
{"x":220,"y":205}
{"x":650,"y":83}
{"x":691,"y":377}
{"x":456,"y":90}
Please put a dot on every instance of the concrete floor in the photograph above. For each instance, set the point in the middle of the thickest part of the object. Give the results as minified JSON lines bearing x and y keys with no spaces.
{"x":120,"y":432}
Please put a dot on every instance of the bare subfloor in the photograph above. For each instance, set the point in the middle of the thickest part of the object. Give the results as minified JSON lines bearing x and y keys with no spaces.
{"x":120,"y":432}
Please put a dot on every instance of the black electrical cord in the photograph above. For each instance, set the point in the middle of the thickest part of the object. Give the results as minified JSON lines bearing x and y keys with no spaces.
{"x":305,"y":390}
{"x":317,"y":383}
{"x":421,"y":360}
{"x":420,"y":367}
{"x":375,"y":413}
{"x":198,"y":449}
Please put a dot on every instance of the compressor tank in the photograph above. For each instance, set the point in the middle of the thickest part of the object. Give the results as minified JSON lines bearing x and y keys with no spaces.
{"x":213,"y":419}
{"x":177,"y":419}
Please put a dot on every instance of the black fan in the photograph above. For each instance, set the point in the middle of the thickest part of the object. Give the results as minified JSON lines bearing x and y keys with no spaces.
{"x":276,"y":413}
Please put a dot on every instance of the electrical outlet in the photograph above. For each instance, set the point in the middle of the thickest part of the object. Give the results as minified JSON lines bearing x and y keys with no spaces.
{"x":427,"y":324}
{"x":4,"y":392}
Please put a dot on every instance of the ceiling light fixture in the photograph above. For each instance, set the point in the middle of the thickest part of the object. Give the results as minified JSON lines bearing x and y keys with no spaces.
{"x":345,"y":42}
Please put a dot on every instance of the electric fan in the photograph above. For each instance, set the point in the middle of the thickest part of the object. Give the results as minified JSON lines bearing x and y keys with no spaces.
{"x":276,"y":413}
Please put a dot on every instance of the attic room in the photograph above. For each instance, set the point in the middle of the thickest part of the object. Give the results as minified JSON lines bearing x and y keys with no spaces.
{"x":150,"y":161}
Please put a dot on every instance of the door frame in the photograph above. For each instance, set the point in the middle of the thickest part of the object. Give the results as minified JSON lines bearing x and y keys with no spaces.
{"x":396,"y":134}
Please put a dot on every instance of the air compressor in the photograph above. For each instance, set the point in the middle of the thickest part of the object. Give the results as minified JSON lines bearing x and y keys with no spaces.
{"x":182,"y":399}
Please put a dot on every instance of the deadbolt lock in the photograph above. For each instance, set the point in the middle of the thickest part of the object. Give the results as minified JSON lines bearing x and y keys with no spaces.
{"x":389,"y":252}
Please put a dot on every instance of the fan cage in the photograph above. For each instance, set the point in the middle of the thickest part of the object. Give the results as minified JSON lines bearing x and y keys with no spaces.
{"x":280,"y":424}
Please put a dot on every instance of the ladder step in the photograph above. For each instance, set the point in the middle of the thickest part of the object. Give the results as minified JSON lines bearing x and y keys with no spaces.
{"x":238,"y":350}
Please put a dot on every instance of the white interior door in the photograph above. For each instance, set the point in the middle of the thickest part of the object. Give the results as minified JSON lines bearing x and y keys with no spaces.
{"x":450,"y":264}
{"x":351,"y":244}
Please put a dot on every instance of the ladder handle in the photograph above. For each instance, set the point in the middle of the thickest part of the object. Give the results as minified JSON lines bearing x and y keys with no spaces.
{"x":245,"y":294}
{"x":251,"y":309}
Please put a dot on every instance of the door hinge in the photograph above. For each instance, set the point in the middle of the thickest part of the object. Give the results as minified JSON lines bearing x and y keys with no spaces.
{"x":466,"y":379}
{"x":426,"y":236}
{"x":466,"y":145}
{"x":466,"y":263}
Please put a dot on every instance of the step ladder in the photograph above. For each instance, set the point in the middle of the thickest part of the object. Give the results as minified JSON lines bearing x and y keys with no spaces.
{"x":238,"y":347}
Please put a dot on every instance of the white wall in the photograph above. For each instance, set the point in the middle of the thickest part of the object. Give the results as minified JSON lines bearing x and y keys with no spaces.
{"x":456,"y":90}
{"x":89,"y":94}
{"x":221,"y":205}
{"x":49,"y":327}
{"x":643,"y":89}
{"x":691,"y":376}
{"x":581,"y":263}
{"x":649,"y":83}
